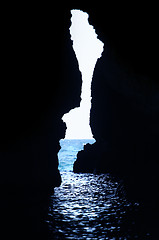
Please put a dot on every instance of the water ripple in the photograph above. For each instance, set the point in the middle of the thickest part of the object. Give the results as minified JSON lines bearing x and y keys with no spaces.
{"x":88,"y":206}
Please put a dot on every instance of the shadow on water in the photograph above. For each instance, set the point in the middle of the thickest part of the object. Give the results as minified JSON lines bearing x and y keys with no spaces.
{"x":88,"y":206}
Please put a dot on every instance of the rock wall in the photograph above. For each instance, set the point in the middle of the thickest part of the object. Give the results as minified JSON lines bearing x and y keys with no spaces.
{"x":40,"y":81}
{"x":125,"y":103}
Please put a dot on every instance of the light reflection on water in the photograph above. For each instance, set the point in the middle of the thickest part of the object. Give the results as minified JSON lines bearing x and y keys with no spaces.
{"x":88,"y":206}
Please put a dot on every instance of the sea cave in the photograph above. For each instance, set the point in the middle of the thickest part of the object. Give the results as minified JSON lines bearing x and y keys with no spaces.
{"x":112,"y":192}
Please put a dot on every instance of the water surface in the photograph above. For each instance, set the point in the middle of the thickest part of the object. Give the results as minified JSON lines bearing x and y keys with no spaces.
{"x":90,"y":206}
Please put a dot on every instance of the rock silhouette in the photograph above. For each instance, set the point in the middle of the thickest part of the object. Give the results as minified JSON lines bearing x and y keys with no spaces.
{"x":125,"y":104}
{"x":40,"y":81}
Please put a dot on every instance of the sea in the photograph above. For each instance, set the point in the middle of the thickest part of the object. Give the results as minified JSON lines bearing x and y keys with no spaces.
{"x":68,"y":152}
{"x":91,"y":206}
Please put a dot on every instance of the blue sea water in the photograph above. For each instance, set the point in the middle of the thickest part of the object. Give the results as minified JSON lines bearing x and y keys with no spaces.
{"x":91,"y":206}
{"x":68,"y":152}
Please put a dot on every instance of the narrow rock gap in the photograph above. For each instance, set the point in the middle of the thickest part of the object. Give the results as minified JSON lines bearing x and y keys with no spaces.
{"x":88,"y":205}
{"x":88,"y":48}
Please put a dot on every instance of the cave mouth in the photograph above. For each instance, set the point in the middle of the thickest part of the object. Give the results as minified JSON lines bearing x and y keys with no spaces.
{"x":87,"y":204}
{"x":87,"y":48}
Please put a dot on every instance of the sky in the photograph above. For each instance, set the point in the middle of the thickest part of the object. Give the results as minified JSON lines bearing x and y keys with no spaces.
{"x":88,"y":48}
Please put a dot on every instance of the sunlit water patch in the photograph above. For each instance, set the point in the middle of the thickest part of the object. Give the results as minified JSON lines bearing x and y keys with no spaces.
{"x":88,"y":206}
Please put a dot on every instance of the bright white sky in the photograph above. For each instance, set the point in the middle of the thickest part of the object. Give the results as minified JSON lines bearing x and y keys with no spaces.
{"x":87,"y":49}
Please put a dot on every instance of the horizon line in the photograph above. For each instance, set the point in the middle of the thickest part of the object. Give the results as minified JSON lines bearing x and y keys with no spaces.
{"x":77,"y":139}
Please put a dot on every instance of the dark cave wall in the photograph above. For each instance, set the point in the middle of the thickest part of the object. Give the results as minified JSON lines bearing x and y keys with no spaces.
{"x":125,"y":104}
{"x":40,"y":81}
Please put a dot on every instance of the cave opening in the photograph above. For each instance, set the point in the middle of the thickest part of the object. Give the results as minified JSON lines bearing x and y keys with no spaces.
{"x":88,"y":203}
{"x":87,"y":48}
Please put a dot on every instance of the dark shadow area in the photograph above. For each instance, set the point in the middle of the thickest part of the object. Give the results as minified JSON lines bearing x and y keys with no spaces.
{"x":40,"y":81}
